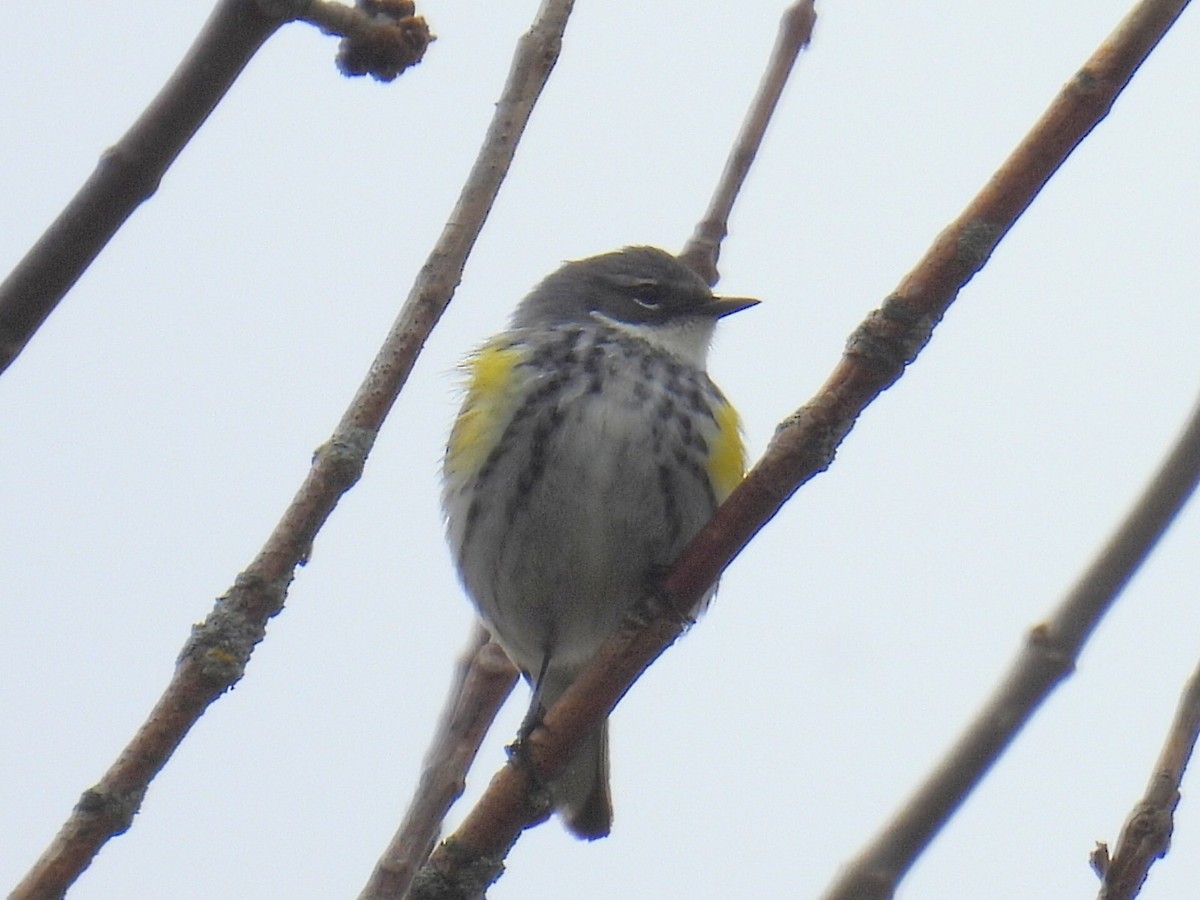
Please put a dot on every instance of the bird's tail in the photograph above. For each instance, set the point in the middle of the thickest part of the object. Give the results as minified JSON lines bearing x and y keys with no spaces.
{"x":581,"y":795}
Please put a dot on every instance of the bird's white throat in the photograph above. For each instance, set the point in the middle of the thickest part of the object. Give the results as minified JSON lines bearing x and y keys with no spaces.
{"x":687,"y":339}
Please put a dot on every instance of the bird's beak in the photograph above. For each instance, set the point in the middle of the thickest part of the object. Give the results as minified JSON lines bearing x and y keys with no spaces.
{"x":724,"y":306}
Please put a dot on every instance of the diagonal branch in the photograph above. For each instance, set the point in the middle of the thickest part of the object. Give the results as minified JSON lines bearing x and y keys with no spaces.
{"x":1052,"y":647}
{"x":216,"y":654}
{"x":1146,"y":835}
{"x":877,"y":354}
{"x":483,"y":681}
{"x":1048,"y":657}
{"x":703,"y":248}
{"x":129,"y":172}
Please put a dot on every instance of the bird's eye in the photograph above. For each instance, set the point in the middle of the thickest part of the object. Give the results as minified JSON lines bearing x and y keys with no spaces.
{"x":647,"y":295}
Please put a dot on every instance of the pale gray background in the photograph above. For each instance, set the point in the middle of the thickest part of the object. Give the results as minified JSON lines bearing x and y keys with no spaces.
{"x":161,"y":420}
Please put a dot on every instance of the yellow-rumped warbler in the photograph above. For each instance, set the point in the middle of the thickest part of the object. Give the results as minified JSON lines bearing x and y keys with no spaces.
{"x":590,"y":449}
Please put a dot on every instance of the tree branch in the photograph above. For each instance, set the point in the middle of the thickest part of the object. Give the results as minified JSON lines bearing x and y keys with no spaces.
{"x":215,"y":656}
{"x":1052,"y":647}
{"x":129,"y":172}
{"x":1048,"y":657}
{"x":804,"y":445}
{"x":1146,"y":835}
{"x":484,"y":679}
{"x":703,"y":249}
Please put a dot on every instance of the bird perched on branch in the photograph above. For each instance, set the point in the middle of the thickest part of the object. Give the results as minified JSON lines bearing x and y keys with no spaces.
{"x":590,"y":448}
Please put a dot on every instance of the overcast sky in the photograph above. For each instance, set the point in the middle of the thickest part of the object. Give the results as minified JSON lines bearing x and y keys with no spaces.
{"x":158,"y":424}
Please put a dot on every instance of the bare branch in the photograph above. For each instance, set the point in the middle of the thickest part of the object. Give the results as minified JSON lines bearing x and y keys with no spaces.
{"x":1147,"y":832}
{"x":216,"y":654}
{"x":484,"y":679}
{"x":129,"y":172}
{"x":1052,"y":647}
{"x":1047,"y":658}
{"x":877,"y":354}
{"x":703,"y":249}
{"x":378,"y":42}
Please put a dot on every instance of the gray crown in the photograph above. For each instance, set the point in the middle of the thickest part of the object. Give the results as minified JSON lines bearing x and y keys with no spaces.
{"x":639,"y":285}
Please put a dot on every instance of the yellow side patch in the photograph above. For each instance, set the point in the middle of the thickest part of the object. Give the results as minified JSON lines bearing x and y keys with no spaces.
{"x":491,"y":392}
{"x":727,"y":454}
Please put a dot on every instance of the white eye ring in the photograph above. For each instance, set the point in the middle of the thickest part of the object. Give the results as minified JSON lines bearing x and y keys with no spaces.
{"x":646,"y":304}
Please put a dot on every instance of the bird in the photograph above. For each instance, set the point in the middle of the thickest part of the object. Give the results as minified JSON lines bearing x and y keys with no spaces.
{"x":590,"y":448}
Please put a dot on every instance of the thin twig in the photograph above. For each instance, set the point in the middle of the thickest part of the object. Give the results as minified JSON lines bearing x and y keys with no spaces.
{"x":215,"y":656}
{"x":1147,"y":832}
{"x":483,"y":680}
{"x":703,"y":249}
{"x":804,"y":445}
